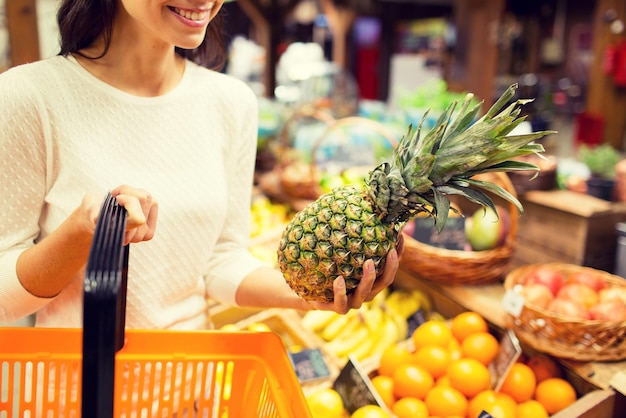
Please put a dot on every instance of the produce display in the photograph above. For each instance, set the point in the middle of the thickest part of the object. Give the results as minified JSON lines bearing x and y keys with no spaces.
{"x":445,"y":371}
{"x":335,"y":234}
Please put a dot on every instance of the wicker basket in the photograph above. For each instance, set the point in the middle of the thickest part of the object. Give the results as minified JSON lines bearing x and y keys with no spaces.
{"x":301,"y":180}
{"x":454,"y":267}
{"x":576,"y":339}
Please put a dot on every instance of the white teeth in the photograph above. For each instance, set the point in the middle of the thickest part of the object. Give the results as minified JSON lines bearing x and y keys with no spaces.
{"x":191,"y":15}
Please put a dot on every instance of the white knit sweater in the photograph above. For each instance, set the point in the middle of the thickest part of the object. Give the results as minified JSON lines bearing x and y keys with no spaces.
{"x":65,"y":133}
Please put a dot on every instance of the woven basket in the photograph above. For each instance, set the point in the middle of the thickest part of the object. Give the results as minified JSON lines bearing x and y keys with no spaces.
{"x":301,"y":180}
{"x":454,"y":267}
{"x":576,"y":339}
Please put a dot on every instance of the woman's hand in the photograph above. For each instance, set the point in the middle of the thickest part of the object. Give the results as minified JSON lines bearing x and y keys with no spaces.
{"x":142,"y":210}
{"x":369,"y":286}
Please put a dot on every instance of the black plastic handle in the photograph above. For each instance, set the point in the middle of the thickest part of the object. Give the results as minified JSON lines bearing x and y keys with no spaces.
{"x":104,"y":309}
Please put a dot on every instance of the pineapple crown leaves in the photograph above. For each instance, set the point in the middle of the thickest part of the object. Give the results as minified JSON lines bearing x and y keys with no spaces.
{"x":426,"y":169}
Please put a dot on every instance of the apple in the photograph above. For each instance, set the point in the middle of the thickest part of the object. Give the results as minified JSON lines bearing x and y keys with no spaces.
{"x":544,"y":275}
{"x":568,"y":309}
{"x":486,"y":229}
{"x":594,"y":281}
{"x":608,"y":311}
{"x":579,"y":293}
{"x":409,"y":228}
{"x":537,"y":294}
{"x":612,"y":294}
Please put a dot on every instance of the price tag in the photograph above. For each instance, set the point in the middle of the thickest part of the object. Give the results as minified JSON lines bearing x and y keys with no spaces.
{"x":309,"y":364}
{"x":451,"y":237}
{"x":415,"y":320}
{"x":508,"y":354}
{"x":484,"y":414}
{"x":618,"y":382}
{"x":513,"y":302}
{"x":355,"y":387}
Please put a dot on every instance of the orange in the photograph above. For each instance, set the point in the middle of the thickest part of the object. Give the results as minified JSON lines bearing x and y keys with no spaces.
{"x":411,"y":380}
{"x":392,"y":357}
{"x":432,"y":332}
{"x":544,"y":367}
{"x":467,"y":323}
{"x":370,"y":411}
{"x":483,"y":401}
{"x":446,"y":401}
{"x":454,"y":348}
{"x":469,"y":376}
{"x":384,"y":387}
{"x":555,"y":394}
{"x":498,"y":405}
{"x":531,"y":409}
{"x":434,"y":359}
{"x":443,"y":381}
{"x":481,"y":346}
{"x":409,"y":407}
{"x":519,"y":383}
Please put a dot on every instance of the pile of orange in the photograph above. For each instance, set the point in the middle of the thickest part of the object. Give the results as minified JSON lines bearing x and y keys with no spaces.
{"x":444,"y":372}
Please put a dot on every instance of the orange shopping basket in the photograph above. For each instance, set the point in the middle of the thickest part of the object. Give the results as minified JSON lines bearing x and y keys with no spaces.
{"x":105,"y":371}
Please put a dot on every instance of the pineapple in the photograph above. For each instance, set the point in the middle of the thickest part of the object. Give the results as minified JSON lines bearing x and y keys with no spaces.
{"x":335,"y":234}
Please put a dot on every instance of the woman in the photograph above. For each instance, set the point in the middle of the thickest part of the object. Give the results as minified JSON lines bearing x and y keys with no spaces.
{"x":124,"y":104}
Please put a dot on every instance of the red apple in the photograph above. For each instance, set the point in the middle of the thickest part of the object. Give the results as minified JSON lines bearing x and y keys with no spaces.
{"x":409,"y":228}
{"x":537,"y":294}
{"x":594,"y":281}
{"x":568,"y":309}
{"x":608,"y":311}
{"x":549,"y":277}
{"x":613,"y":294}
{"x":578,"y":293}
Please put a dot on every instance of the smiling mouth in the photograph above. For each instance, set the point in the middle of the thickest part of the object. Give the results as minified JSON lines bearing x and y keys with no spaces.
{"x":190,"y":14}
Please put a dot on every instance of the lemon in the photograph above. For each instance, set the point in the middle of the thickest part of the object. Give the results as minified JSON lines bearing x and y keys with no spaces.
{"x":370,"y":411}
{"x":258,"y":327}
{"x":326,"y":403}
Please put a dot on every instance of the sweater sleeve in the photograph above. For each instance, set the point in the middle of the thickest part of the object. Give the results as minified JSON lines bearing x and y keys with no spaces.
{"x":232,"y":261}
{"x":22,"y":186}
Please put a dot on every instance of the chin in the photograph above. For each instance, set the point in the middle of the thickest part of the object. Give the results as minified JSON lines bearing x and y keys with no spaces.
{"x":191,"y":43}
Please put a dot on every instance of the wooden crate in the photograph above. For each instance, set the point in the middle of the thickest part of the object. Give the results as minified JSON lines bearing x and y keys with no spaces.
{"x":569,"y":227}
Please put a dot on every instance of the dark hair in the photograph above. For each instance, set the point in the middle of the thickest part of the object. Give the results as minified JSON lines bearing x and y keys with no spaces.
{"x":82,"y":22}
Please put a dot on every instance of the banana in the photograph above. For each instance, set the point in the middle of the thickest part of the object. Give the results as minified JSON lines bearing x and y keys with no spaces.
{"x":364,"y":349}
{"x":318,"y":320}
{"x":423,"y":299}
{"x":386,"y":336}
{"x":341,"y":347}
{"x":401,"y":324}
{"x":336,"y":325}
{"x":373,"y":317}
{"x":401,"y":302}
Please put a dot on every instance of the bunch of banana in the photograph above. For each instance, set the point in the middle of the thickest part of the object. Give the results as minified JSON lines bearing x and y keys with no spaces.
{"x":370,"y":329}
{"x":266,"y":215}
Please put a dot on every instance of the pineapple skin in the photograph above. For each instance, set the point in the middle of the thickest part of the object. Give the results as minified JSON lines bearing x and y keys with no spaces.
{"x":333,"y":236}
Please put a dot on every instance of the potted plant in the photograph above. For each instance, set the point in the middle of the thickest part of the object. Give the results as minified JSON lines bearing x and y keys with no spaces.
{"x":601,"y":161}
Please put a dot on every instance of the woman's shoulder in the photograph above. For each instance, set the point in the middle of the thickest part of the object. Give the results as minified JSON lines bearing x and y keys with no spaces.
{"x":219,"y":82}
{"x":42,"y":66}
{"x":32,"y":74}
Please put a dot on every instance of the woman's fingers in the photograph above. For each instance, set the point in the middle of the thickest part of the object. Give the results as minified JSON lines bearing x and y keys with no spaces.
{"x":388,"y":275}
{"x":142,"y":213}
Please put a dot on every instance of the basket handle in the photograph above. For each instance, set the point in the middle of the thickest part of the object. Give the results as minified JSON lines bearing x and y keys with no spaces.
{"x":373,"y":125}
{"x":104,"y":309}
{"x":304,"y":112}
